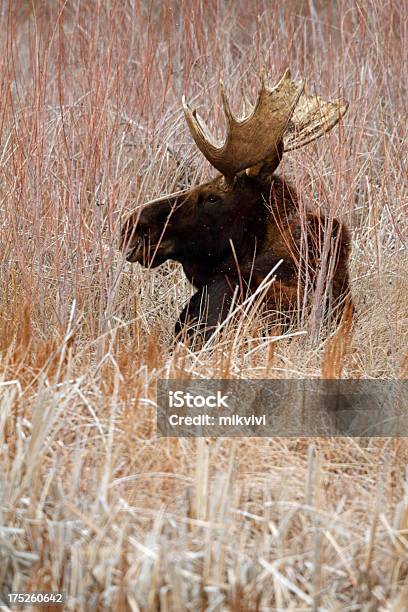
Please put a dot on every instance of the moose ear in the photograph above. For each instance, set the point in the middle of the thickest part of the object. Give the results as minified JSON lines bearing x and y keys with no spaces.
{"x":264,"y":169}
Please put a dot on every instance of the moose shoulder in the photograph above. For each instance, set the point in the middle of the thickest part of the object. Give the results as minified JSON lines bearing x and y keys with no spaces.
{"x":229,"y":233}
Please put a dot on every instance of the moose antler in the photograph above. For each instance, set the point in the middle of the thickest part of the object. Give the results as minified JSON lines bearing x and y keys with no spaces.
{"x":283,"y":118}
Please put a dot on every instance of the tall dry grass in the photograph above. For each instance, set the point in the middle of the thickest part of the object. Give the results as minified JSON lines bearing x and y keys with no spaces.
{"x":91,"y":501}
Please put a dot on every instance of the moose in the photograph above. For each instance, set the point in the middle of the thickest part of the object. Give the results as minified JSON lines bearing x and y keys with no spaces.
{"x":231,"y":232}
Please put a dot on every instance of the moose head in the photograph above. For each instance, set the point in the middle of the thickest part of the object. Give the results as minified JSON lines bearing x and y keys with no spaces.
{"x":233,"y":230}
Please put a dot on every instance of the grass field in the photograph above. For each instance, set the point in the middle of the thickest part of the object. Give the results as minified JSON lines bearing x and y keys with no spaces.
{"x":92,"y":502}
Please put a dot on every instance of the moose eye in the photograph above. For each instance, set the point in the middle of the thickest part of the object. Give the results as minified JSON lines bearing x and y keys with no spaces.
{"x":212,"y":199}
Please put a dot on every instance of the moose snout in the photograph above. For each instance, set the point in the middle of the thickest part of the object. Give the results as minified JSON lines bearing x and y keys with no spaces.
{"x":131,"y":239}
{"x":134,"y":252}
{"x":142,"y":243}
{"x":144,"y":237}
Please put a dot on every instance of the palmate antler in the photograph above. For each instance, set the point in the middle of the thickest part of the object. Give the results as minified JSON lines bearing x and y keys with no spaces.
{"x":283,"y":118}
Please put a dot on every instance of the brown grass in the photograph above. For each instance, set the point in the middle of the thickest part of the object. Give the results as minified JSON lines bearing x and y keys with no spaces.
{"x":91,"y":501}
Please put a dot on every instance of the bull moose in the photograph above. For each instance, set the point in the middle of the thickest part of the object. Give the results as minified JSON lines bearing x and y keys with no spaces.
{"x":231,"y":232}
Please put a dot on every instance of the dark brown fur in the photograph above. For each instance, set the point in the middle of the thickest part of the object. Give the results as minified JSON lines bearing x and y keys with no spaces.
{"x":231,"y":236}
